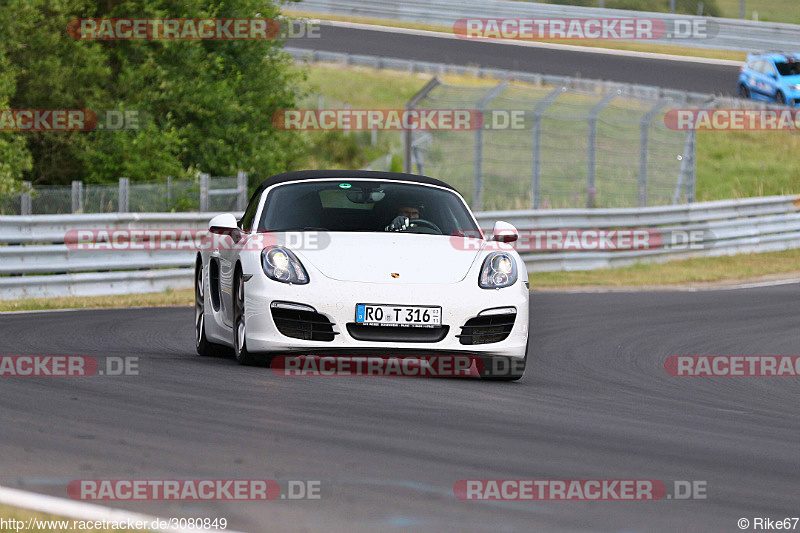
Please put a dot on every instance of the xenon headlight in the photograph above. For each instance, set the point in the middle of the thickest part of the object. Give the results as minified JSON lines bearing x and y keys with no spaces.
{"x":499,"y":270}
{"x":282,"y":265}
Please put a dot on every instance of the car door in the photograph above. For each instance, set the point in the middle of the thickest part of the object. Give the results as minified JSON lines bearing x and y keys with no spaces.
{"x":760,"y":86}
{"x":772,"y":80}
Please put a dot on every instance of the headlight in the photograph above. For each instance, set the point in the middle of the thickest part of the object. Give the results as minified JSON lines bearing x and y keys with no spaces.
{"x":795,"y":87}
{"x":282,"y":265}
{"x":499,"y":270}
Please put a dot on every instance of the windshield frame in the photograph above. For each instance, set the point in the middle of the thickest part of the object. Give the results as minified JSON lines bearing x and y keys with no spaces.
{"x":268,"y":193}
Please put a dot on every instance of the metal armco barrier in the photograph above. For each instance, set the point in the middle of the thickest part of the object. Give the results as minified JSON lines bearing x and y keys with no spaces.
{"x":733,"y":34}
{"x":35,"y":262}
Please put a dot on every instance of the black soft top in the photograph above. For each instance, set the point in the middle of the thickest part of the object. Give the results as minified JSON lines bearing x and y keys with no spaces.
{"x":369,"y":175}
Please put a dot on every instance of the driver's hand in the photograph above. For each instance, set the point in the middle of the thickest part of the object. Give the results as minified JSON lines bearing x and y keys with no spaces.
{"x":399,"y":223}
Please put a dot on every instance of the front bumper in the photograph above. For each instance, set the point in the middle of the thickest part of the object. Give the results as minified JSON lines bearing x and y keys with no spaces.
{"x":336,"y":301}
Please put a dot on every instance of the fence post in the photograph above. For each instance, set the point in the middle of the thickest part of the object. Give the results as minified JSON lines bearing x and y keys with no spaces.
{"x":25,"y":199}
{"x":204,"y":183}
{"x":407,"y":134}
{"x":591,"y":171}
{"x":77,"y":196}
{"x":241,"y":186}
{"x":687,"y":171}
{"x":692,"y":167}
{"x":643,"y":148}
{"x":169,"y":193}
{"x":124,"y":192}
{"x":537,"y":142}
{"x":477,"y":177}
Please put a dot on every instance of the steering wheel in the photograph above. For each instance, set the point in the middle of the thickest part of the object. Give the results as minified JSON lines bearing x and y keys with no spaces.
{"x":425,"y":223}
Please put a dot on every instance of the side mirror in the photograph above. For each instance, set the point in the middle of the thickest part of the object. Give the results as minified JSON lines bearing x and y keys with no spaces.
{"x":224,"y":224}
{"x":773,"y":75}
{"x":504,"y":232}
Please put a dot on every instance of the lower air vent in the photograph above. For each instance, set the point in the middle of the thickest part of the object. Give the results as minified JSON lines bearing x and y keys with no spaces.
{"x":487,"y":329}
{"x":306,"y":325}
{"x":361,"y":332}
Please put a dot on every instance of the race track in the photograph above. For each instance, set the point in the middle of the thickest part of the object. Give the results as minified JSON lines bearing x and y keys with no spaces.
{"x":681,"y":75}
{"x":595,"y":403}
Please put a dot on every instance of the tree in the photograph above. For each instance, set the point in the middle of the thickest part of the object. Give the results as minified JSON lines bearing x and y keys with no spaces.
{"x":202,"y":105}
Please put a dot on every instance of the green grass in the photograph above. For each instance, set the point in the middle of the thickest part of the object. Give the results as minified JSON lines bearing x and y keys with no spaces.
{"x":153,"y":299}
{"x":768,"y":10}
{"x":687,"y":271}
{"x":732,"y":164}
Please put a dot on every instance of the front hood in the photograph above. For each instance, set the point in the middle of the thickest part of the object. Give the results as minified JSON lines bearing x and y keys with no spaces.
{"x":374,"y":257}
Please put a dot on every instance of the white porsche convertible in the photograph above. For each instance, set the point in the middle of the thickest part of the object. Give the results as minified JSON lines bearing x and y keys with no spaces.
{"x":358,"y":262}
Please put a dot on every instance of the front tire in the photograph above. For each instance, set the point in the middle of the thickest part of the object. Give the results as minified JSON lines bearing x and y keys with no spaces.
{"x":744,"y":92}
{"x":779,"y":98}
{"x":243,"y":356}
{"x":203,"y":346}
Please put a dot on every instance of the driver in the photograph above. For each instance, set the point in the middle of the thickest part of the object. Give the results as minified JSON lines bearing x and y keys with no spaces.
{"x":405,"y":214}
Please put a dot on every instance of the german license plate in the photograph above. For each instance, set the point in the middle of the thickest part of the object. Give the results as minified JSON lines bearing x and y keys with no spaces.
{"x":417,"y":316}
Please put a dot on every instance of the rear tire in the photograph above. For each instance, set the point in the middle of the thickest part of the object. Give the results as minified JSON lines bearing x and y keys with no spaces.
{"x":744,"y":92}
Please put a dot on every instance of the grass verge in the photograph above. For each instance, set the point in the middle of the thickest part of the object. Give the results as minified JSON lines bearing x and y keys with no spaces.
{"x":670,"y":49}
{"x":767,"y":10}
{"x":784,"y":264}
{"x":167,"y":298}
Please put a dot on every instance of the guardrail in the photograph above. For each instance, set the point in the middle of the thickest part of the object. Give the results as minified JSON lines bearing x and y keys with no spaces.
{"x":733,"y":34}
{"x":749,"y":225}
{"x":35,"y":261}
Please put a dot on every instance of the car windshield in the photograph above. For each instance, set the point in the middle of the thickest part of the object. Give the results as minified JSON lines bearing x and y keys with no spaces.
{"x":788,"y":69}
{"x":363,"y":206}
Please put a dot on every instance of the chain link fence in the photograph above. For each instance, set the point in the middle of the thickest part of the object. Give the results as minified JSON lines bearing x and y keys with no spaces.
{"x":571,"y":147}
{"x":206,"y":194}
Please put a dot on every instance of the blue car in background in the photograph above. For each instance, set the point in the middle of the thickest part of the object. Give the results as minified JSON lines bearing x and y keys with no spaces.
{"x":772,"y":77}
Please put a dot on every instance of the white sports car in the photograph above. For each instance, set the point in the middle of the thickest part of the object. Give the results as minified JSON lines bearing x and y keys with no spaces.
{"x":358,"y":262}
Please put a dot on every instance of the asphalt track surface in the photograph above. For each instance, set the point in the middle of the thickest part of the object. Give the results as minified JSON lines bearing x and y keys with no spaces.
{"x":596,"y":403}
{"x":684,"y":76}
